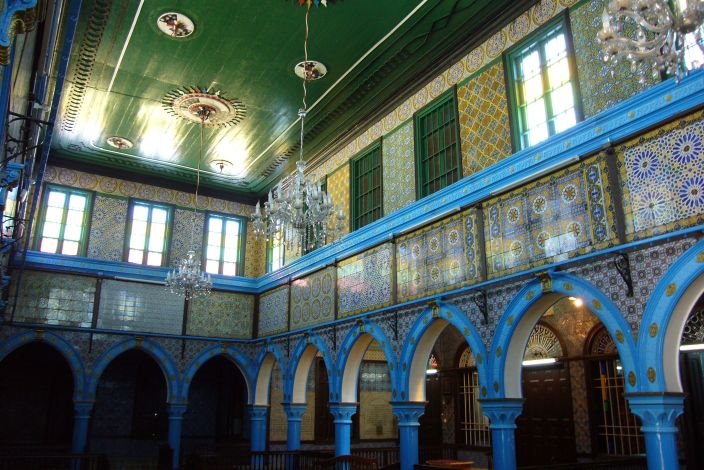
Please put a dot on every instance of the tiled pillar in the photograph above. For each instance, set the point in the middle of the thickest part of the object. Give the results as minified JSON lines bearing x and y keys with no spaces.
{"x":502,"y":414}
{"x":658,"y":412}
{"x":408,"y":413}
{"x":342,"y":414}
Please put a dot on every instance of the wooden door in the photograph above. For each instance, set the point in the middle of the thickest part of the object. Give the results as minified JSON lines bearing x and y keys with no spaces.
{"x":545,"y":433}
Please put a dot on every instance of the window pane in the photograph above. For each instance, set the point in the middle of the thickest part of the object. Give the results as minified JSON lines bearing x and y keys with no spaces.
{"x":135,"y":256}
{"x":69,"y":248}
{"x":213,"y":252}
{"x":140,"y":212}
{"x":538,"y":134}
{"x":212,"y":267}
{"x":49,"y":245}
{"x":229,"y":269}
{"x":230,"y":254}
{"x":156,"y":242}
{"x":535,"y":114}
{"x":232,"y":228}
{"x":77,"y":203}
{"x":565,"y":120}
{"x":154,"y":259}
{"x":556,"y":48}
{"x":559,"y":73}
{"x":56,"y":199}
{"x":159,"y":215}
{"x":72,"y":232}
{"x":74,"y":218}
{"x":54,"y":214}
{"x":215,"y":225}
{"x":562,"y":99}
{"x":530,"y":64}
{"x":138,"y":234}
{"x":51,"y":229}
{"x":533,"y":88}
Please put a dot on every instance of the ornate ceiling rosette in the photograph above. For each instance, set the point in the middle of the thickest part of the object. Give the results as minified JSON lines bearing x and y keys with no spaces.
{"x":189,"y":102}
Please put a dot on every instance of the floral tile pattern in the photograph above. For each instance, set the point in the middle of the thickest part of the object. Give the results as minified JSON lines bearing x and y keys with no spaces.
{"x":399,"y":169}
{"x":313,"y":299}
{"x":439,"y":257}
{"x":107,"y":228}
{"x":221,"y":315}
{"x":273,"y":312}
{"x":55,"y":299}
{"x":339,"y":188}
{"x":602,"y":85}
{"x":556,"y":217}
{"x":484,"y":123}
{"x":364,"y":281}
{"x":181,"y":235}
{"x":663,"y":178}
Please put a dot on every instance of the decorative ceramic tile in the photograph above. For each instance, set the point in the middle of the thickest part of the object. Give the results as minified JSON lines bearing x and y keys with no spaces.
{"x":132,"y":306}
{"x":313,"y":299}
{"x":339,"y":188}
{"x":663,"y":178}
{"x":602,"y":85}
{"x":181,"y":235}
{"x":221,"y":315}
{"x":557,"y":217}
{"x":438,"y":257}
{"x":107,"y":228}
{"x":364,"y":281}
{"x":399,"y":169}
{"x":255,"y":254}
{"x":484,"y":123}
{"x":55,"y":299}
{"x":273,"y":311}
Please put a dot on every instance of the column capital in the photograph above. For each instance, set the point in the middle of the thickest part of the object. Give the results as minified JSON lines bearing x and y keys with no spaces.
{"x":658,"y":411}
{"x":502,"y":412}
{"x":258,"y":411}
{"x":408,"y":412}
{"x":176,"y":410}
{"x":343,"y":412}
{"x":294,"y":410}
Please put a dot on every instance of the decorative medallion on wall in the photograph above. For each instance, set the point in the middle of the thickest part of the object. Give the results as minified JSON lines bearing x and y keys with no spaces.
{"x":120,"y":142}
{"x":175,"y":25}
{"x":187,"y":103}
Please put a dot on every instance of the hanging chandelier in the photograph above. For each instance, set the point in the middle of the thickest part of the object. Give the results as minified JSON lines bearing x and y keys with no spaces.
{"x":652,"y":37}
{"x":302,"y":213}
{"x":186,"y":278}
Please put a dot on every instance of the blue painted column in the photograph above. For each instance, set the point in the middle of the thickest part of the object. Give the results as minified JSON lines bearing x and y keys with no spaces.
{"x":257,"y":417}
{"x":342,"y":414}
{"x":294,"y":413}
{"x":658,"y":412}
{"x":502,"y":414}
{"x":408,"y":413}
{"x":176,"y":411}
{"x":81,"y":419}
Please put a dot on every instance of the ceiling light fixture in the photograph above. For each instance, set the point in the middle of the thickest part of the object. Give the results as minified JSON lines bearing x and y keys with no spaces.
{"x":302,"y":212}
{"x":651,"y":36}
{"x":186,"y":278}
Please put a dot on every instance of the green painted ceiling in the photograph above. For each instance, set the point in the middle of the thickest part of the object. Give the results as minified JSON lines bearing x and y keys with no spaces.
{"x":122,"y":67}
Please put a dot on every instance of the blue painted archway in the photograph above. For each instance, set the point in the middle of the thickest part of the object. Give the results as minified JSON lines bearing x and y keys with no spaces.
{"x":162,"y":358}
{"x":61,"y":345}
{"x":242,"y":362}
{"x":268,"y":356}
{"x":421,"y":339}
{"x":299,"y":367}
{"x":524,"y":311}
{"x":664,"y":320}
{"x":349,"y":360}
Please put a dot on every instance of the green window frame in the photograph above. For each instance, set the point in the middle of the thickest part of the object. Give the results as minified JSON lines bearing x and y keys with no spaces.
{"x":438,"y":156}
{"x":544,"y":96}
{"x":366,"y":175}
{"x":148,"y":233}
{"x":275,"y":253}
{"x":65,"y":221}
{"x":224,"y":244}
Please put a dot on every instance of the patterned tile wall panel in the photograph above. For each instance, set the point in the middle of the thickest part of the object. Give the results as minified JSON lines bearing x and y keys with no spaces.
{"x":339,"y":188}
{"x":181,"y":235}
{"x":273,"y":311}
{"x":439,"y":257}
{"x":108,"y":244}
{"x":562,"y":215}
{"x":599,"y":89}
{"x":107,"y":228}
{"x":484,"y":123}
{"x":662,"y":178}
{"x":55,"y":299}
{"x":131,"y":306}
{"x":477,"y":58}
{"x":364,"y":281}
{"x":221,"y":315}
{"x":313,"y":299}
{"x":399,"y":169}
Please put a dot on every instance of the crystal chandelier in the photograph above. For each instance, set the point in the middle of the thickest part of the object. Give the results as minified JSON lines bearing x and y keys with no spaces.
{"x":302,"y":213}
{"x":186,"y":278}
{"x":651,"y":36}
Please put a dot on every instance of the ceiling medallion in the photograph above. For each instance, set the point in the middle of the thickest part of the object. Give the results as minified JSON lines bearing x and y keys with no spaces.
{"x":187,"y":102}
{"x":120,"y":142}
{"x":221,"y":166}
{"x":314,"y":70}
{"x":175,"y":25}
